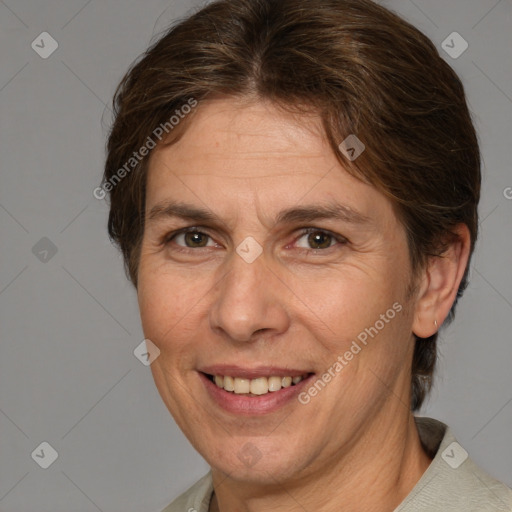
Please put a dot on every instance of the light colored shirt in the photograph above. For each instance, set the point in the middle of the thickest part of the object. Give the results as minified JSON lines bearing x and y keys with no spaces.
{"x":452,"y":482}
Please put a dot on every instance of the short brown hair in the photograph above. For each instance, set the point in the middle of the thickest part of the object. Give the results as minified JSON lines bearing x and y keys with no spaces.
{"x":363,"y":69}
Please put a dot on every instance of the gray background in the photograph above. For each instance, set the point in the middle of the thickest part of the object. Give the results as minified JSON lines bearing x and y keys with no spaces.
{"x":69,"y":321}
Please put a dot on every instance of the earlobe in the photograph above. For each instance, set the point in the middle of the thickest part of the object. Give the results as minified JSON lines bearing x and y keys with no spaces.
{"x":439,"y":285}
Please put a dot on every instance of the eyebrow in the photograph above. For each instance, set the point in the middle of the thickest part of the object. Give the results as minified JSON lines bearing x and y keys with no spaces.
{"x":307,"y":213}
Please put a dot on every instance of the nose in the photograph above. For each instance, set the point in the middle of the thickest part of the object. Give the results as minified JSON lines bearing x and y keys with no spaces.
{"x":250,"y":302}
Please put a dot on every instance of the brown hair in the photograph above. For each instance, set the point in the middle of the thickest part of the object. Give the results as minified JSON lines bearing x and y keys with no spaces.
{"x":363,"y":69}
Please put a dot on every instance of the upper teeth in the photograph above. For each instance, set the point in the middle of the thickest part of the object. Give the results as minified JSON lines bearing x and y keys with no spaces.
{"x":258,"y":386}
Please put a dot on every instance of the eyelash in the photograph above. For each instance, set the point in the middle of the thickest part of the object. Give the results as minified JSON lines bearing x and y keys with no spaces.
{"x":168,"y":238}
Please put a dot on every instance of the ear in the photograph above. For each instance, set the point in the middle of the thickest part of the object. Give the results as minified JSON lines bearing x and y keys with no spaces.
{"x":439,"y":284}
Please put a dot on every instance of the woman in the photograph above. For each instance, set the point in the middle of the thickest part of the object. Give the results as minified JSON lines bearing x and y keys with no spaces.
{"x":294,"y":187}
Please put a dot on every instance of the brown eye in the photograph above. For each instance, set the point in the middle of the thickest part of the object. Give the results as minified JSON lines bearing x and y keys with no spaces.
{"x":196,"y":239}
{"x":319,"y":240}
{"x":191,"y":239}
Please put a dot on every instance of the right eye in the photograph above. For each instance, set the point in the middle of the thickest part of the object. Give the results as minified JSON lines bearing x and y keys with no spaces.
{"x":189,"y":238}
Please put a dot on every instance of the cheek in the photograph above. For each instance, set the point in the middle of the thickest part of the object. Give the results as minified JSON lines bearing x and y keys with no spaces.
{"x":346,"y":300}
{"x":362,"y":317}
{"x":172,"y":304}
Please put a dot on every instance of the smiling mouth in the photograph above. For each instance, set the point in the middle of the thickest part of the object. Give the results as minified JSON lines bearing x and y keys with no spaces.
{"x":255,"y":387}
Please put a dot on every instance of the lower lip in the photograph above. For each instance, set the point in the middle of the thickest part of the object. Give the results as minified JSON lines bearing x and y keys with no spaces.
{"x":253,"y":405}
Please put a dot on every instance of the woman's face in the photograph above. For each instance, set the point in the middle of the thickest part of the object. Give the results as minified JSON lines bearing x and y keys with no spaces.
{"x":264,"y":288}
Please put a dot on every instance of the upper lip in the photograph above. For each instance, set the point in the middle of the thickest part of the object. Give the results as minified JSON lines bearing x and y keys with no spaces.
{"x":251,"y":373}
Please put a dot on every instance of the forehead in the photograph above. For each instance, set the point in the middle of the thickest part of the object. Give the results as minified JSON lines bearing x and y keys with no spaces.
{"x":228,"y":129}
{"x":234,"y":154}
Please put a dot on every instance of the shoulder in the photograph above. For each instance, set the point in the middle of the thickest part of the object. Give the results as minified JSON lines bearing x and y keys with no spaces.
{"x":453,"y":482}
{"x":195,"y":499}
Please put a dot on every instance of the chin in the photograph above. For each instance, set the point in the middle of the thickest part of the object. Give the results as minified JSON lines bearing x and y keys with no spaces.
{"x":255,"y":461}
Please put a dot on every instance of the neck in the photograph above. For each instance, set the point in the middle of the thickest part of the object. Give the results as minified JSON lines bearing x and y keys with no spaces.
{"x":376,"y":474}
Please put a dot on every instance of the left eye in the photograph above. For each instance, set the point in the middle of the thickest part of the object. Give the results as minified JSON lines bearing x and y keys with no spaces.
{"x":317,"y":239}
